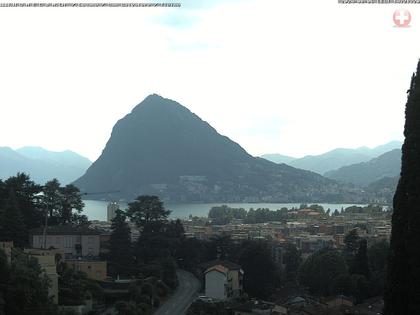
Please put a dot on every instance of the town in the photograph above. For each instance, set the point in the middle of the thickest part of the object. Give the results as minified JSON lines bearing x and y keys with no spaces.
{"x":304,"y":260}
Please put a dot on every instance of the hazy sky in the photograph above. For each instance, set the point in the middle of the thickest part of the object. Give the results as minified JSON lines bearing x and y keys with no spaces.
{"x":295,"y":77}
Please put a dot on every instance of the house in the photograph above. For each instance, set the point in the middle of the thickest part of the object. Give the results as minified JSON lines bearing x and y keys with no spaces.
{"x":223,"y":280}
{"x":72,"y":240}
{"x":94,"y":269}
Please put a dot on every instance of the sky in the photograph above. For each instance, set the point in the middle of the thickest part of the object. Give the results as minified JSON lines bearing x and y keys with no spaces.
{"x":292,"y":77}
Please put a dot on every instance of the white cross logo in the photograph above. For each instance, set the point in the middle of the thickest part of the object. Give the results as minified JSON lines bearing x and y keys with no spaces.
{"x":402,"y":18}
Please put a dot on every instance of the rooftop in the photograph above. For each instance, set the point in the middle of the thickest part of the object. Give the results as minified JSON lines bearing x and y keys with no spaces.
{"x":225,"y":263}
{"x":65,"y":230}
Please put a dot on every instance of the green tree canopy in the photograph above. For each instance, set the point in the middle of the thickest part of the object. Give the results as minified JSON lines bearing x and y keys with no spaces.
{"x":24,"y":286}
{"x":360,"y":264}
{"x":64,"y":204}
{"x":319,"y":271}
{"x":292,"y":259}
{"x":260,"y":272}
{"x":19,"y":210}
{"x":148,"y":213}
{"x":120,"y":255}
{"x":351,"y":241}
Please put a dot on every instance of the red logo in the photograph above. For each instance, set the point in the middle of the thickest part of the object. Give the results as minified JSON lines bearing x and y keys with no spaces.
{"x":402,"y":18}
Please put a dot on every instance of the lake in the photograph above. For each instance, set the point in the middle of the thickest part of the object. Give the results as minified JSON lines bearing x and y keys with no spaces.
{"x":96,"y":209}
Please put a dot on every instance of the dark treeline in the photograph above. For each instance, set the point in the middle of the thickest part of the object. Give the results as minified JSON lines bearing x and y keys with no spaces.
{"x":24,"y":206}
{"x":224,"y":214}
{"x":358,"y":271}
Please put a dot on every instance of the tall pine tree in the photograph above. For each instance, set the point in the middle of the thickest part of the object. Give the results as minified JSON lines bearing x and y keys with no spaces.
{"x":360,"y":263}
{"x":12,"y":226}
{"x":402,"y":294}
{"x":120,"y":252}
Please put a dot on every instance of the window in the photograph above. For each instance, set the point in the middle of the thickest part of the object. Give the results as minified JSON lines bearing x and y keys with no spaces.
{"x":67,"y":241}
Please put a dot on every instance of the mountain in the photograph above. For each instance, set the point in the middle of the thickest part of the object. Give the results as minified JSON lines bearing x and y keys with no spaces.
{"x":164,"y":149}
{"x":336,"y":158}
{"x":67,"y":157}
{"x":384,"y":189}
{"x":278,"y":158}
{"x":381,"y":149}
{"x":362,"y":174}
{"x":42,"y":165}
{"x":330,"y":160}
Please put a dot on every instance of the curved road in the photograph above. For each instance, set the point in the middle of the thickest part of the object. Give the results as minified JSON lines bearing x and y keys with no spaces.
{"x":186,"y":292}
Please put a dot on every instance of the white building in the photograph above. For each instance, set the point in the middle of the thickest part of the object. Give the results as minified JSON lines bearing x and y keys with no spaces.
{"x":113,"y":206}
{"x":223,"y":280}
{"x":72,"y":240}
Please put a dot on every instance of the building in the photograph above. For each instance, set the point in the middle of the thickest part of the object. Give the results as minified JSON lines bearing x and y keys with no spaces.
{"x":47,"y":260}
{"x":94,"y":269}
{"x":72,"y":240}
{"x":113,"y":206}
{"x":223,"y":280}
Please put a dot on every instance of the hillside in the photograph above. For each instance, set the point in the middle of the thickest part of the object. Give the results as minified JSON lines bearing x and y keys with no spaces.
{"x":162,"y":148}
{"x":362,"y":174}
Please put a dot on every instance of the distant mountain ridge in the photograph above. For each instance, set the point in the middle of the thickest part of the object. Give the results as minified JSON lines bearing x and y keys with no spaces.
{"x":278,"y":158}
{"x":42,"y":165}
{"x":162,"y":148}
{"x":337,"y":158}
{"x":365,"y":173}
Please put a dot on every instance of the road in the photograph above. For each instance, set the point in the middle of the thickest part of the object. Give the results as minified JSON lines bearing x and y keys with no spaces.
{"x":186,"y":292}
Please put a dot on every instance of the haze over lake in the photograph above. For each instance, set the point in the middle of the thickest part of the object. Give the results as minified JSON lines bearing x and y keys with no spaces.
{"x":96,"y":209}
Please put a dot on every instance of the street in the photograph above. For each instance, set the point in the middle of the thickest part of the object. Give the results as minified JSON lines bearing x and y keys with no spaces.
{"x":183,"y":296}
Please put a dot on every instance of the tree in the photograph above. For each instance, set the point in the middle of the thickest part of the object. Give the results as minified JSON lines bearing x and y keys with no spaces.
{"x":403,"y":275}
{"x":169,"y":272}
{"x":260,"y":272}
{"x":292,"y":259}
{"x":377,"y":256}
{"x":351,"y":241}
{"x":120,"y":251}
{"x":71,"y":206}
{"x":12,"y":226}
{"x":344,"y":285}
{"x":23,"y":192}
{"x":25,"y":287}
{"x":360,"y":263}
{"x":320,"y":270}
{"x":75,"y":288}
{"x":64,"y":204}
{"x":150,"y":216}
{"x":148,"y":213}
